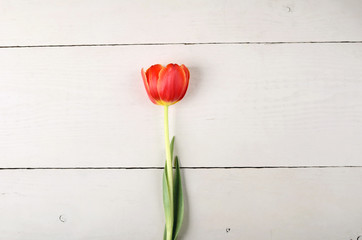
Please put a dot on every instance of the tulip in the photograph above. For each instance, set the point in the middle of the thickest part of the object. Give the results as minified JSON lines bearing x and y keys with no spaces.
{"x":166,"y":86}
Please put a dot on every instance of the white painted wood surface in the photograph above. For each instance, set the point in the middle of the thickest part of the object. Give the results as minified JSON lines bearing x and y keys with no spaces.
{"x":254,"y":105}
{"x":125,"y":204}
{"x":249,"y":104}
{"x":42,"y":22}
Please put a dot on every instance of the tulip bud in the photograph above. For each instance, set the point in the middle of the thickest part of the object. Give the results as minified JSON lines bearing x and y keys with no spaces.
{"x":166,"y":85}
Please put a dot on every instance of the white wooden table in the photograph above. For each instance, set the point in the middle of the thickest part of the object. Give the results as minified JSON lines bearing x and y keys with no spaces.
{"x":269,"y":133}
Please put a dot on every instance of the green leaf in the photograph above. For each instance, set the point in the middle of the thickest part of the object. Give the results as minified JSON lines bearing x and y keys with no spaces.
{"x":167,"y":202}
{"x":171,"y":146}
{"x":165,"y":234}
{"x":178,"y":201}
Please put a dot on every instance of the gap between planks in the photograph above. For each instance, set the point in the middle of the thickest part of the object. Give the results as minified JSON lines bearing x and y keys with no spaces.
{"x":160,"y":44}
{"x":161,"y":168}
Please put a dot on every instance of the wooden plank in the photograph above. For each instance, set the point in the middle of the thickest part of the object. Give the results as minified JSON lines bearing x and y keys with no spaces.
{"x":38,"y":22}
{"x":256,"y":105}
{"x":255,"y":204}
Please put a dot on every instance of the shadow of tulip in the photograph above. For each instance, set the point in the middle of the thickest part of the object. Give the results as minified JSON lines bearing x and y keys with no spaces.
{"x":194,"y":84}
{"x":187,"y":207}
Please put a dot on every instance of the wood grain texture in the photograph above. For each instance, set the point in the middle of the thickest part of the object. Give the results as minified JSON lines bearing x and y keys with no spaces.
{"x":256,"y":105}
{"x":39,"y":22}
{"x":278,"y":204}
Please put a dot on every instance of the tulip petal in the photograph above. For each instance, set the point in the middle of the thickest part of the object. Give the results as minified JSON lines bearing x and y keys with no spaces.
{"x":186,"y":71}
{"x":152,"y":75}
{"x":171,"y":84}
{"x":187,"y":77}
{"x":147,"y":87}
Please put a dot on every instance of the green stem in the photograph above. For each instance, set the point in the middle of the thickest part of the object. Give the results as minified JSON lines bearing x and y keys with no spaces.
{"x":169,"y":172}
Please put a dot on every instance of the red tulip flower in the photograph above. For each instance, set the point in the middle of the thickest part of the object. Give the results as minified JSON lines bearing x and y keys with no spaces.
{"x":166,"y":85}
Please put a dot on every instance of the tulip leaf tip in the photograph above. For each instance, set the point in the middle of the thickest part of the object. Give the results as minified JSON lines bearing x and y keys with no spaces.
{"x":172,"y":146}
